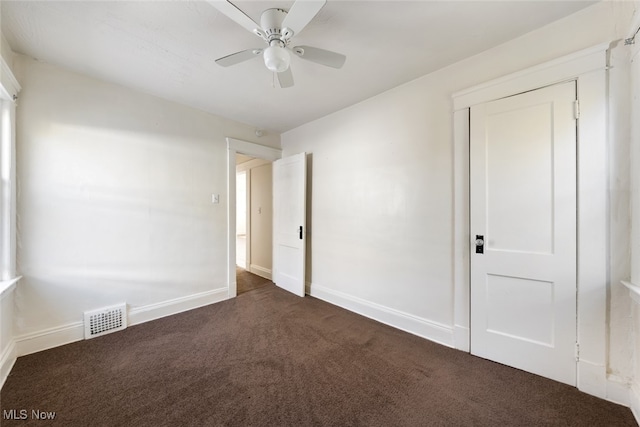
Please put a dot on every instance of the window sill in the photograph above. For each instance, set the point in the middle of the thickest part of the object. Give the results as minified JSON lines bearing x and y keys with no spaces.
{"x":634,"y":290}
{"x":7,"y":286}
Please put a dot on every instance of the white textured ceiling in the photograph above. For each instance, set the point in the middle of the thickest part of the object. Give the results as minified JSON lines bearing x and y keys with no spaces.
{"x":168,"y":48}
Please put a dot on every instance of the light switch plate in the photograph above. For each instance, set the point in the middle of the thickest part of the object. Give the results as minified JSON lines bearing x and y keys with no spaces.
{"x":215,"y":198}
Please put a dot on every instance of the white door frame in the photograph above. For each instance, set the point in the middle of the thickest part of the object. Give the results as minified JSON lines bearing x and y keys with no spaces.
{"x":589,"y":68}
{"x":250,"y":149}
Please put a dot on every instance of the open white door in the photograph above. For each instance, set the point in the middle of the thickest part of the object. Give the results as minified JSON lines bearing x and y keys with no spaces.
{"x":289,"y":222}
{"x":523,"y":225}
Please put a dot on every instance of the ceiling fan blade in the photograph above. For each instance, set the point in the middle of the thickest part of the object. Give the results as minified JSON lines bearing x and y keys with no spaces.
{"x":285,"y":78}
{"x":238,"y":57}
{"x":301,"y":13}
{"x":231,"y":11}
{"x":320,"y":56}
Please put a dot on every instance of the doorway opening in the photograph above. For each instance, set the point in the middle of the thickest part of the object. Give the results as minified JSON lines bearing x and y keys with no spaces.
{"x":258,"y":153}
{"x":254,"y":223}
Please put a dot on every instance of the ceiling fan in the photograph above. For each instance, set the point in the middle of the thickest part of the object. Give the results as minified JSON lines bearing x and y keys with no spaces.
{"x":277,"y":27}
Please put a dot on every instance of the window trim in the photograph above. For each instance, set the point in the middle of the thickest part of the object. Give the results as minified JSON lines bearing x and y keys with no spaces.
{"x":9,"y":89}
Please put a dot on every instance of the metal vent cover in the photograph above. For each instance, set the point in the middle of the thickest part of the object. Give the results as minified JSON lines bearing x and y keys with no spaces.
{"x":105,"y":320}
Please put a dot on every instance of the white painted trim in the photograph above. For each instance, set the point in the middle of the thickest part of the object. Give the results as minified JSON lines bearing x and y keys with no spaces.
{"x":177,"y":305}
{"x":247,"y":217}
{"x":634,"y":401}
{"x":253,"y":150}
{"x":250,"y":149}
{"x":618,"y":390}
{"x":6,"y":286}
{"x":260,"y":271}
{"x":593,"y":228}
{"x":461,"y":278}
{"x":559,"y":70}
{"x":72,"y":332}
{"x":9,"y":86}
{"x":232,"y":285}
{"x":433,"y":331}
{"x":592,"y":378}
{"x":7,"y":360}
{"x":634,"y":290}
{"x":49,"y":338}
{"x":462,"y":338}
{"x":251,"y":164}
{"x":588,"y":67}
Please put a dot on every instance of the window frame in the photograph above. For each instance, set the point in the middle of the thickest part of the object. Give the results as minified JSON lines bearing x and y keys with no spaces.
{"x":9,"y":89}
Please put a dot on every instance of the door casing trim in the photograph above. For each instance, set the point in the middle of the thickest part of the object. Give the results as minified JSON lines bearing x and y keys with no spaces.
{"x":589,"y":68}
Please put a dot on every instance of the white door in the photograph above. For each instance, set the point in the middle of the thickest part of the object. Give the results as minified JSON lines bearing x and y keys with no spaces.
{"x":523,"y":220}
{"x":289,"y":222}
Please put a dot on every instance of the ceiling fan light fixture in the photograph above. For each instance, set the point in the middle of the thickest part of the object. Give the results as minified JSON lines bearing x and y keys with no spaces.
{"x":277,"y":28}
{"x":276,"y":58}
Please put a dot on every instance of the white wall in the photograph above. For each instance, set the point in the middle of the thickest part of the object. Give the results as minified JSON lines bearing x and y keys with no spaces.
{"x":115,"y":203}
{"x":381,"y":205}
{"x":5,"y":50}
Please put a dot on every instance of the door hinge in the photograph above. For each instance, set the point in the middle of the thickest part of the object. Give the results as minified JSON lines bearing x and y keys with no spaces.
{"x":576,"y":109}
{"x":577,"y":352}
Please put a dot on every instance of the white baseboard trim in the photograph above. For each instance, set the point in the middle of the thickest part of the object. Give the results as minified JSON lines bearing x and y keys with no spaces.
{"x":634,"y":400}
{"x":624,"y":392}
{"x":462,"y":338}
{"x":178,"y":305}
{"x":7,"y":360}
{"x":421,"y":327}
{"x":261,"y":271}
{"x":592,"y":378}
{"x":618,"y":390}
{"x":66,"y":334}
{"x":49,"y":338}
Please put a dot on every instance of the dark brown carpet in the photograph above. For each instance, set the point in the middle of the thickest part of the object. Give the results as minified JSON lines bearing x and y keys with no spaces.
{"x":247,"y":281}
{"x":270,"y":358}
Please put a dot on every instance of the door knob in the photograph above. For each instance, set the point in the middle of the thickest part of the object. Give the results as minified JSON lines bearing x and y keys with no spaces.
{"x":479,"y":244}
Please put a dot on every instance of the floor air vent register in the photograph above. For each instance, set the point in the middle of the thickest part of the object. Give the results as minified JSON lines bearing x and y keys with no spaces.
{"x":105,"y":320}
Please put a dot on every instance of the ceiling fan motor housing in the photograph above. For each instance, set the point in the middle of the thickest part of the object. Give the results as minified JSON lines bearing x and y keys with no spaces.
{"x":271,"y":23}
{"x":277,"y":27}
